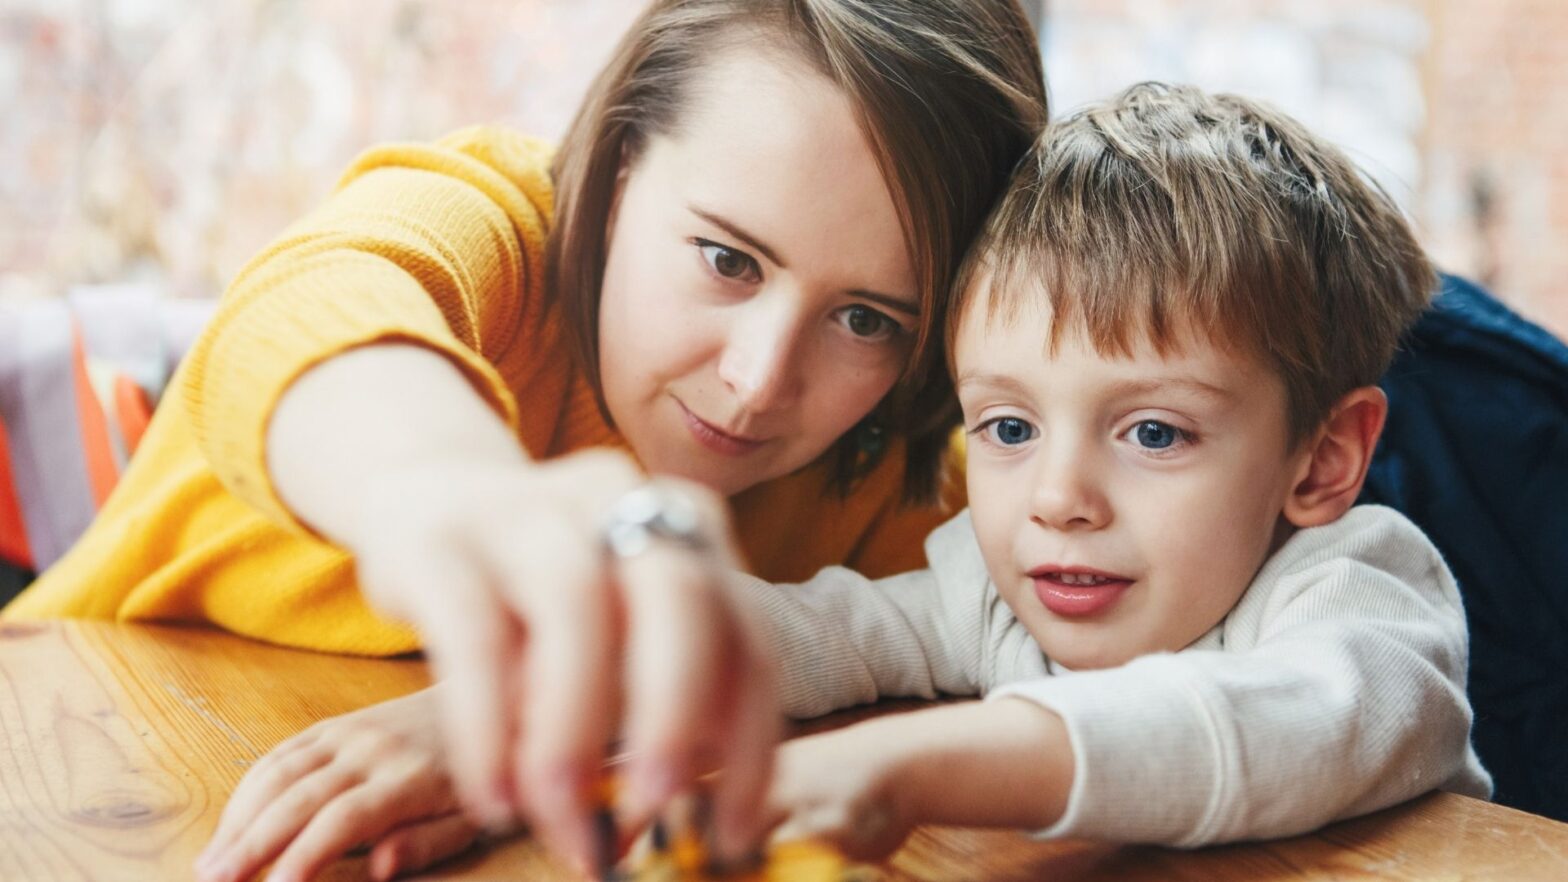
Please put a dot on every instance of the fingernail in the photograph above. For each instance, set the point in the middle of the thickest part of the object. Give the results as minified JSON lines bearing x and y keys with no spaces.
{"x":495,"y":809}
{"x":606,"y":844}
{"x":498,"y":822}
{"x":652,"y":785}
{"x":217,"y":871}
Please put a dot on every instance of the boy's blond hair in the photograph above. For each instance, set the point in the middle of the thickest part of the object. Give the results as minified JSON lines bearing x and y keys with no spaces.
{"x":1167,"y":210}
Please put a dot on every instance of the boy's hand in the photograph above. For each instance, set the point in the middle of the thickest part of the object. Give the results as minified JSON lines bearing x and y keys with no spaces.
{"x":842,"y":788}
{"x":864,"y":788}
{"x":375,"y":775}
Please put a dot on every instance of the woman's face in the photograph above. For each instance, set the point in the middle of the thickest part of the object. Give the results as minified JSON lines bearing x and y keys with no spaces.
{"x":758,"y":299}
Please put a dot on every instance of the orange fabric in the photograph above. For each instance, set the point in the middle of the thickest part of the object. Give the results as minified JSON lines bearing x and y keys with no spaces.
{"x":132,"y":411}
{"x":441,"y":245}
{"x":13,"y":530}
{"x":96,"y":447}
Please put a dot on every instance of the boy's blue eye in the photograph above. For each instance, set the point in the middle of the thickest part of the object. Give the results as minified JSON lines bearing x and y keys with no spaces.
{"x":1011,"y":431}
{"x":1156,"y":435}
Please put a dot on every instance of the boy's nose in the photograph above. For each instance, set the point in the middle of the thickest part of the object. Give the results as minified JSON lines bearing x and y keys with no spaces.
{"x":760,"y":360}
{"x":1067,"y":496}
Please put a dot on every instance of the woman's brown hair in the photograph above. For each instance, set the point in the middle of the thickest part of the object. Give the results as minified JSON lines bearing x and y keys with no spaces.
{"x":950,"y":94}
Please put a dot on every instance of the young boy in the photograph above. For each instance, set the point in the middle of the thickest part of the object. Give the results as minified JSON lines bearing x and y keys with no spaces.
{"x":1166,"y":348}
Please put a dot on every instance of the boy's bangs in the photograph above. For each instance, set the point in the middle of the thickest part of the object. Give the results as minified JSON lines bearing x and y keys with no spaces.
{"x":1120,"y":282}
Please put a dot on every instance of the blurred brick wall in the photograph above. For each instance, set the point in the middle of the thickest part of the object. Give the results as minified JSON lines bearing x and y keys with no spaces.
{"x":167,"y":140}
{"x":1496,"y":148}
{"x":1458,"y":107}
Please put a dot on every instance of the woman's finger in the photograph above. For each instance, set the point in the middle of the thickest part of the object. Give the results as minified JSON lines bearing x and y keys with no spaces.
{"x":413,"y":847}
{"x":678,"y":635}
{"x":279,"y":822}
{"x":366,"y":813}
{"x":272,"y":775}
{"x":748,"y":748}
{"x":570,"y":704}
{"x":472,"y":641}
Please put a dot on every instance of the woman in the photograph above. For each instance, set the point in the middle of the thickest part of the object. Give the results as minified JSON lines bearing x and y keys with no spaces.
{"x":439,"y":386}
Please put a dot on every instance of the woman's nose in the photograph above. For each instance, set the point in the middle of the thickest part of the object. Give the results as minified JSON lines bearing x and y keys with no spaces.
{"x":760,"y":362}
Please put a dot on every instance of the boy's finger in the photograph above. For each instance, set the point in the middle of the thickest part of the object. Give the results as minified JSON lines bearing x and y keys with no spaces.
{"x":416,"y":846}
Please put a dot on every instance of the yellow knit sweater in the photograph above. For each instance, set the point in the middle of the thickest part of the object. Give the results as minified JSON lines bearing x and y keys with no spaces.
{"x":442,"y":245}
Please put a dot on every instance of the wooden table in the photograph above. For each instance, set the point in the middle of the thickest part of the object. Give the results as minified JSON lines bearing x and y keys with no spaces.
{"x":119,"y":745}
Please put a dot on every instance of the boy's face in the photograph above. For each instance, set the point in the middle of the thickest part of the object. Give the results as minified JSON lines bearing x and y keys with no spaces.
{"x":1123,"y":504}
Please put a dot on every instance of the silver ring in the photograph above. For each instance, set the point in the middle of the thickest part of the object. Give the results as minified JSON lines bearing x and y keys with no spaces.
{"x":649,"y":513}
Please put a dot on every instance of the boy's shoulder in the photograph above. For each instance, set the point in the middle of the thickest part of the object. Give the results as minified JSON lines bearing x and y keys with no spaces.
{"x":1371,"y":562}
{"x":1370,"y":533}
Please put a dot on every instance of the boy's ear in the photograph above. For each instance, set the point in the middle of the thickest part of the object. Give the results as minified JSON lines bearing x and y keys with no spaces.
{"x":1336,"y":459}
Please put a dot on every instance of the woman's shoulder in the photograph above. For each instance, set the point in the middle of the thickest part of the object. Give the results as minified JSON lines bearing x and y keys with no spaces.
{"x":511,"y":168}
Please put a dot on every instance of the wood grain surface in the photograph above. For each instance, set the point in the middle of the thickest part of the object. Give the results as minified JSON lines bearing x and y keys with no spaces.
{"x":119,"y":745}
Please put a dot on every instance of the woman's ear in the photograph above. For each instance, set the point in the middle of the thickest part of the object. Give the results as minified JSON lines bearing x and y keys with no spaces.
{"x":1337,"y":458}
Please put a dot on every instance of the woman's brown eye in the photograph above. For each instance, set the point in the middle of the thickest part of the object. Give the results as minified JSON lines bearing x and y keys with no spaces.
{"x":865,"y":322}
{"x":728,"y":262}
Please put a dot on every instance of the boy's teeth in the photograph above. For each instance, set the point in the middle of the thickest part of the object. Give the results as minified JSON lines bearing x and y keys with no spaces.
{"x":1081,"y":579}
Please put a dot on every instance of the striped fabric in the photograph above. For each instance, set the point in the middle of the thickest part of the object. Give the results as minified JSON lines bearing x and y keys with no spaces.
{"x":78,"y":380}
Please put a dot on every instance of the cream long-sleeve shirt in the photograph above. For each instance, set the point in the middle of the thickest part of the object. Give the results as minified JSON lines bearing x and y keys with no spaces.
{"x":1334,"y":687}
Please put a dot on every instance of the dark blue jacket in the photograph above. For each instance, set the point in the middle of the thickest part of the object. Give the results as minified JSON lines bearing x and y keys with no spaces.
{"x":1476,"y":453}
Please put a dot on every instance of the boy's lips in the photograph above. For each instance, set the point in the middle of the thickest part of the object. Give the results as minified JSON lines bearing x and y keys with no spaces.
{"x":1075,"y":592}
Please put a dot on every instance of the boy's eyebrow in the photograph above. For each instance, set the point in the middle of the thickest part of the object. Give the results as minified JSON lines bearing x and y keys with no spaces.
{"x":895,"y":303}
{"x":1116,"y":388}
{"x":1003,"y":382}
{"x":1155,"y":384}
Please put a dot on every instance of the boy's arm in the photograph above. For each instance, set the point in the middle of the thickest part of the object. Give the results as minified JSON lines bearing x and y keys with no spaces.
{"x":864,"y":788}
{"x":842,"y":639}
{"x":1345,"y":696}
{"x":1348,"y":697}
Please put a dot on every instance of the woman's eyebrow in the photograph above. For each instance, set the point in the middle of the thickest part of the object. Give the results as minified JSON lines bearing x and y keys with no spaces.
{"x":898,"y":304}
{"x":738,"y":233}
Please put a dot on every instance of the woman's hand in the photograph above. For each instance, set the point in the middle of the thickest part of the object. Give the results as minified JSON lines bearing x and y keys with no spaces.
{"x":544,"y":641}
{"x":376,"y":775}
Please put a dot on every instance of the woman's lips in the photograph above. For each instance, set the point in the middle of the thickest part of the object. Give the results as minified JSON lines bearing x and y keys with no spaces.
{"x":1068,"y":597}
{"x":716,"y":439}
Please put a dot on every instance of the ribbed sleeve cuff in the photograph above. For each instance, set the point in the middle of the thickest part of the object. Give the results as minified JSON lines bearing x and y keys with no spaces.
{"x":331,"y":302}
{"x":1148,"y":763}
